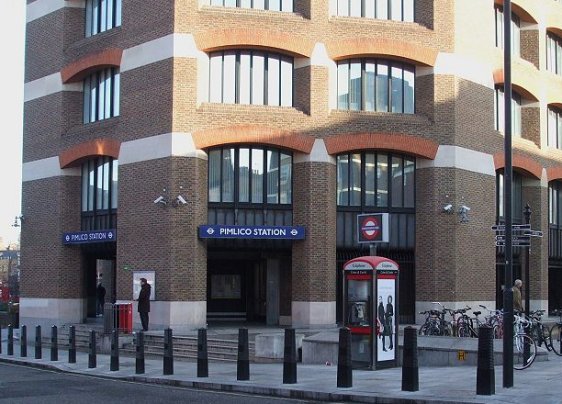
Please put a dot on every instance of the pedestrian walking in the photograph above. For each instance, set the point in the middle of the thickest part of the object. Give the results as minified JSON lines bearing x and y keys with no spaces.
{"x":517,"y":302}
{"x":100,"y":293}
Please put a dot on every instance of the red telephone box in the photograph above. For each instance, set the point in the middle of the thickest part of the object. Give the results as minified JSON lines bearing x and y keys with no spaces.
{"x":371,"y":311}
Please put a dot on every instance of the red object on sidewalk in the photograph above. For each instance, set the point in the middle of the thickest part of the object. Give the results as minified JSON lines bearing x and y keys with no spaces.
{"x":4,"y":294}
{"x":125,"y":316}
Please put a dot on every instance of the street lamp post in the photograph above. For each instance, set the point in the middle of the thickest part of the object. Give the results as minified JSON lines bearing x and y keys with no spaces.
{"x":508,"y":172}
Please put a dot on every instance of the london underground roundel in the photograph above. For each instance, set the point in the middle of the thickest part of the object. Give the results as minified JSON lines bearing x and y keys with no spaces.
{"x":370,"y":228}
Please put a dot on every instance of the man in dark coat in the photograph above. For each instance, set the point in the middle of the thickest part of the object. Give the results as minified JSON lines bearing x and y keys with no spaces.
{"x":144,"y":303}
{"x":100,"y":292}
{"x":382,"y":322}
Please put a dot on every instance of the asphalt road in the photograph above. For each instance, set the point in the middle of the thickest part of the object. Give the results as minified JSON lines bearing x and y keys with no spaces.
{"x":21,"y":384}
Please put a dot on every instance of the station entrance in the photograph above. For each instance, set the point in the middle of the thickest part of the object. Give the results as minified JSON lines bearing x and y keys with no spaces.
{"x":250,"y":286}
{"x":99,"y":268}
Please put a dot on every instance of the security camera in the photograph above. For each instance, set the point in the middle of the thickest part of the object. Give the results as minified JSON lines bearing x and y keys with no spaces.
{"x":181,"y":200}
{"x":464,"y":208}
{"x":448,"y":208}
{"x":160,"y":199}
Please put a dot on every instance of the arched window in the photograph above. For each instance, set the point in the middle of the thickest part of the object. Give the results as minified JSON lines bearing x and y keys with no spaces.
{"x":500,"y":112}
{"x":250,"y":176}
{"x":101,"y":95}
{"x":102,"y":15}
{"x":251,"y":77}
{"x":553,"y":53}
{"x":376,"y":85}
{"x":515,"y":32}
{"x":99,"y":193}
{"x":516,"y":201}
{"x":273,"y":5}
{"x":554,"y":121}
{"x":397,"y":10}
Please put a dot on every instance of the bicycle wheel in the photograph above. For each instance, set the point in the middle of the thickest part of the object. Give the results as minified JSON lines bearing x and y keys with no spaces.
{"x":423,"y":329}
{"x":519,"y":343}
{"x":555,"y":335}
{"x":545,"y":333}
{"x":463,"y":331}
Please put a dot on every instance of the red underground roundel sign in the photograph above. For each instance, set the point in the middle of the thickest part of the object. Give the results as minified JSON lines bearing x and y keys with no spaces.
{"x":370,"y":228}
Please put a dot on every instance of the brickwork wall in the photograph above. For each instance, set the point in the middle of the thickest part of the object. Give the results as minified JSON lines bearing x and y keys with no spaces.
{"x":530,"y":46}
{"x":454,"y":261}
{"x":314,"y":258}
{"x":49,"y":268}
{"x":160,"y":237}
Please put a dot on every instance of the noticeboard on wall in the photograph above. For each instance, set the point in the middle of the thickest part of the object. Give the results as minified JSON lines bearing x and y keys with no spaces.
{"x":150,"y":279}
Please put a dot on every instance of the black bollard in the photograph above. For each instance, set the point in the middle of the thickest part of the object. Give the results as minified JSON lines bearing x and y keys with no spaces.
{"x":168,"y":352}
{"x":10,"y":340}
{"x":485,"y":376}
{"x":410,"y":371}
{"x":71,"y":344}
{"x":23,"y":341}
{"x":92,"y":360}
{"x":243,"y":363}
{"x":290,"y":357}
{"x":345,"y":374}
{"x":202,"y":354}
{"x":54,"y":344}
{"x":114,"y":360}
{"x":38,"y":342}
{"x":139,"y":347}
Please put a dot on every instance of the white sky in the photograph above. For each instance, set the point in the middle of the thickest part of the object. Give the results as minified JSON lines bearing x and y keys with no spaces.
{"x":12,"y":28}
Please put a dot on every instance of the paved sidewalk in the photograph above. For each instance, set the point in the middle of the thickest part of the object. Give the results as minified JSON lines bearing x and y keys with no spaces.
{"x":540,"y":384}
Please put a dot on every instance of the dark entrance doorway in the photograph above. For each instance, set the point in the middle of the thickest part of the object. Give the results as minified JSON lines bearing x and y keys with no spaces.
{"x":237,"y":290}
{"x":99,"y":267}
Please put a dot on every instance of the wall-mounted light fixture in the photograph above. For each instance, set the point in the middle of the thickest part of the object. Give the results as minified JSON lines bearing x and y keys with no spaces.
{"x":18,"y":221}
{"x":463,"y":213}
{"x":163,"y":199}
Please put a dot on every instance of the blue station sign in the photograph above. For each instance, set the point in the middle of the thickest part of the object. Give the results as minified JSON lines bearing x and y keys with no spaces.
{"x":86,"y":237}
{"x":252,"y":232}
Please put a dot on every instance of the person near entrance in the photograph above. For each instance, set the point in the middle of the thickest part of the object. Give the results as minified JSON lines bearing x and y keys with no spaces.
{"x":100,"y":293}
{"x":517,"y":302}
{"x":144,"y":303}
{"x":389,"y":314}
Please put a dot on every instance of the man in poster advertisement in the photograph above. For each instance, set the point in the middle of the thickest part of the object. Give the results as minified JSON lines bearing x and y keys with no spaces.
{"x":381,"y":321}
{"x":389,"y":314}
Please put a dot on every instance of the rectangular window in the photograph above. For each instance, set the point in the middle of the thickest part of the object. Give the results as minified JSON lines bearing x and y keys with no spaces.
{"x":215,"y":176}
{"x":286,"y":82}
{"x":273,"y":5}
{"x":273,"y":75}
{"x":397,"y":86}
{"x":408,"y":14}
{"x":355,"y":86}
{"x":102,"y":15}
{"x":101,"y":95}
{"x":382,"y":180}
{"x":409,"y":91}
{"x":286,"y":181}
{"x":257,"y":175}
{"x":370,"y":170}
{"x":355,"y":8}
{"x":396,"y":10}
{"x":229,"y":78}
{"x":369,"y":88}
{"x":370,"y":9}
{"x":244,"y":175}
{"x":343,"y":180}
{"x":343,"y":85}
{"x":85,"y":187}
{"x":382,"y":9}
{"x":227,"y":179}
{"x":409,"y":176}
{"x":355,"y":180}
{"x":258,"y":79}
{"x":215,"y":78}
{"x":343,"y":8}
{"x":114,"y":184}
{"x":397,"y":182}
{"x":272,"y":177}
{"x":245,"y":78}
{"x":382,"y":87}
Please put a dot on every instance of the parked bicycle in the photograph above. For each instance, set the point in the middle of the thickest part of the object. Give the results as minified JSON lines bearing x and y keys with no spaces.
{"x":555,"y":334}
{"x":538,"y":331}
{"x":435,"y":322}
{"x":522,"y":343}
{"x":494,"y":319}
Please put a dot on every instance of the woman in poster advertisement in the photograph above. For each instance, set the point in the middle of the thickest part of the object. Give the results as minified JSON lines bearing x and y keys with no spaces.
{"x":381,"y":321}
{"x":389,"y":313}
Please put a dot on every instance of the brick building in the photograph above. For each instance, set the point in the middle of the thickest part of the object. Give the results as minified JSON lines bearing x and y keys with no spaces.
{"x":151,"y":125}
